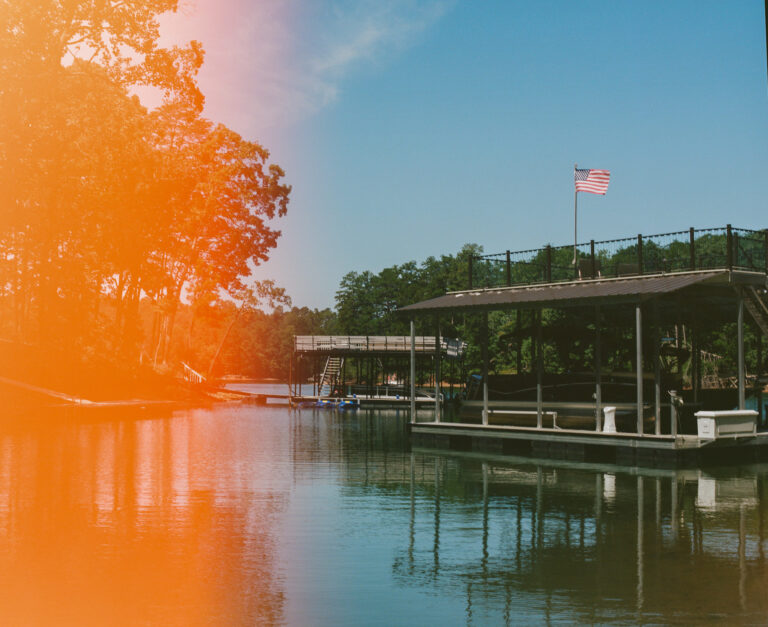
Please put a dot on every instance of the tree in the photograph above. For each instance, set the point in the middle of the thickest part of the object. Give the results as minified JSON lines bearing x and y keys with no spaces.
{"x":103,"y":203}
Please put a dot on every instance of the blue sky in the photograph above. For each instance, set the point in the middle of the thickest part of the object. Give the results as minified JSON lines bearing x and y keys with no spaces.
{"x":408,"y":129}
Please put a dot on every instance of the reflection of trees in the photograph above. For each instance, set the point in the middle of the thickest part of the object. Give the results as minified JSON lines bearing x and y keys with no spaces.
{"x":135,"y":522}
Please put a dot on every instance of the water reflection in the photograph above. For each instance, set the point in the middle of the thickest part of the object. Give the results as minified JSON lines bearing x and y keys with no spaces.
{"x":265,"y":515}
{"x":596,"y":543}
{"x":165,"y":521}
{"x":516,"y":540}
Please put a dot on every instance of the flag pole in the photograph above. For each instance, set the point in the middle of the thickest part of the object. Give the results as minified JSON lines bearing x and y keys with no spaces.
{"x":575,"y":212}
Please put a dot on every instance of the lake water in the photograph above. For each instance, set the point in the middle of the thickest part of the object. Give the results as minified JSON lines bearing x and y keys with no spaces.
{"x":245,"y":515}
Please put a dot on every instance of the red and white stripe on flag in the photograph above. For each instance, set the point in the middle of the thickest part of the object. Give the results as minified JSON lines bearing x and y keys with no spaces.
{"x":592,"y":181}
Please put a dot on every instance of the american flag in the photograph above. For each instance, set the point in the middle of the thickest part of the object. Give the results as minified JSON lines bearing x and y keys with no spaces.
{"x":592,"y":181}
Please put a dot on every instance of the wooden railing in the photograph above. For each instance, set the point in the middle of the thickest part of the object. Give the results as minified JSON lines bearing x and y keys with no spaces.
{"x":377,"y":343}
{"x":191,"y":375}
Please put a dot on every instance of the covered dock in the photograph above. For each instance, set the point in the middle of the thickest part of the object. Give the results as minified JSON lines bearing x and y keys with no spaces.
{"x":691,"y":279}
{"x":371,"y":370}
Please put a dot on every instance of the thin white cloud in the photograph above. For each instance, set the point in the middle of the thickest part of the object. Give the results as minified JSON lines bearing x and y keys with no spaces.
{"x":272,"y":63}
{"x":365,"y":31}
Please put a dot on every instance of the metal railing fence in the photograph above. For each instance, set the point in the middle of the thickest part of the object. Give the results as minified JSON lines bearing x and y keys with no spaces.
{"x":377,"y":343}
{"x":680,"y":251}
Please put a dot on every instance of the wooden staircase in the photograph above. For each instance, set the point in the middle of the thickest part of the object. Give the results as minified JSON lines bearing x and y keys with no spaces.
{"x":756,"y":302}
{"x":330,"y":376}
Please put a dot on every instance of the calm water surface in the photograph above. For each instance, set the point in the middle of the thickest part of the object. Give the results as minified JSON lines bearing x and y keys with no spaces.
{"x":245,"y":515}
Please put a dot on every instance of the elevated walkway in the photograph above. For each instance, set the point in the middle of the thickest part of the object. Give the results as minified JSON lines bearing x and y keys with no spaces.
{"x":356,"y":345}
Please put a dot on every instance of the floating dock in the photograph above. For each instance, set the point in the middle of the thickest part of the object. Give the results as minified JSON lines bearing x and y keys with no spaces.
{"x":584,"y":446}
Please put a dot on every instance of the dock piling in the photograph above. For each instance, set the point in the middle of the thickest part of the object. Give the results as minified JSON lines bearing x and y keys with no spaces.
{"x":639,"y":366}
{"x":539,"y":372}
{"x":485,"y":368}
{"x":413,"y":371}
{"x":598,"y":370}
{"x":437,"y":369}
{"x":740,"y":349}
{"x":656,"y":369}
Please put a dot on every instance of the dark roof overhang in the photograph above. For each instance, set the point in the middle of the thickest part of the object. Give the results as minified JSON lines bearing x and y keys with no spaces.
{"x":590,"y":292}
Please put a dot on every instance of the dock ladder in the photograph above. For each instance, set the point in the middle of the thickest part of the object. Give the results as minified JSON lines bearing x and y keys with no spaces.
{"x":330,"y":376}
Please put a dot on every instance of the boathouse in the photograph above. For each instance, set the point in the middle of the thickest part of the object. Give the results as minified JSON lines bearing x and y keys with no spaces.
{"x":646,"y":285}
{"x":373,"y":370}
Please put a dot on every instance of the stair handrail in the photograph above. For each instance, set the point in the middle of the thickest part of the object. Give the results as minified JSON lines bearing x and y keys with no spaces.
{"x":192,"y":375}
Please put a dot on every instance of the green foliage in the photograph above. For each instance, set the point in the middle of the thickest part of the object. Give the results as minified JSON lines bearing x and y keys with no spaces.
{"x":102,"y":203}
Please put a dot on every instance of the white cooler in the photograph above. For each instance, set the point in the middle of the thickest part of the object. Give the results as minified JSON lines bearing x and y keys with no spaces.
{"x":718,"y":424}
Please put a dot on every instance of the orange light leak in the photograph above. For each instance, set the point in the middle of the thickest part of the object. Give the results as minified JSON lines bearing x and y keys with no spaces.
{"x":119,"y":223}
{"x":127,"y":237}
{"x":120,"y":523}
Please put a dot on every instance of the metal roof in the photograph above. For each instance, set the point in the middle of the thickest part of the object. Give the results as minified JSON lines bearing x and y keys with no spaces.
{"x":630,"y":289}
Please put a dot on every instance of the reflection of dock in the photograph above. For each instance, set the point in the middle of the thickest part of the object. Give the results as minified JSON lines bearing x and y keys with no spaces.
{"x":581,"y":535}
{"x":364,"y":400}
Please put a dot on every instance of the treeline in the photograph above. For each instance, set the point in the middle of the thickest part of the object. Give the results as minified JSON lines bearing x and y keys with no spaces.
{"x":109,"y":211}
{"x":258,"y":344}
{"x":367,"y":303}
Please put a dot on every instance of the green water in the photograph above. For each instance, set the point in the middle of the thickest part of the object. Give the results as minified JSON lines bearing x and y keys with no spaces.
{"x":246,"y":515}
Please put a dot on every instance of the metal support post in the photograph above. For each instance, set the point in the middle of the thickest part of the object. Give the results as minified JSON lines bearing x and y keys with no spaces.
{"x":437,"y":370}
{"x":639,"y":366}
{"x":696,"y":357}
{"x":760,"y":408}
{"x":740,"y":341}
{"x":656,"y":369}
{"x":518,"y":330}
{"x":413,"y":371}
{"x":549,"y":264}
{"x":539,"y":371}
{"x":729,"y":247}
{"x":598,"y":370}
{"x":692,"y":248}
{"x":485,"y":368}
